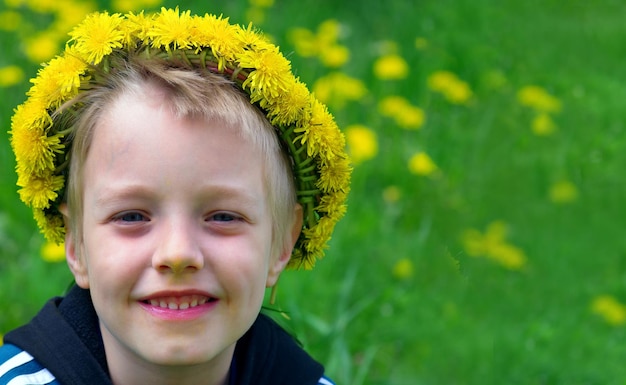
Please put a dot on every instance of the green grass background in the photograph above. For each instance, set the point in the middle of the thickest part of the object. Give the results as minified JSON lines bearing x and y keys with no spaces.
{"x":454,"y":319}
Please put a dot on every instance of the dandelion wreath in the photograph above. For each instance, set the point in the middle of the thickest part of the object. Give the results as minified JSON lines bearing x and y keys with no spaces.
{"x":316,"y":145}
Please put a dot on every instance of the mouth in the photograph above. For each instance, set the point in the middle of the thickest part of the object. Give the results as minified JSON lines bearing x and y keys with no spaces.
{"x":179,"y":303}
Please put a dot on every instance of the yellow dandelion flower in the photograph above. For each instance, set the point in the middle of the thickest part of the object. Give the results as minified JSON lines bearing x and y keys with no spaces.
{"x":508,"y":256}
{"x":320,"y":234}
{"x":32,"y":113}
{"x":494,"y":246}
{"x":391,"y":67}
{"x":70,"y":71}
{"x":610,"y":309}
{"x":172,"y":29}
{"x":362,"y":143}
{"x":135,"y":28}
{"x":98,"y":36}
{"x":10,"y":76}
{"x":38,"y":192}
{"x":322,"y":44}
{"x":411,"y":117}
{"x":333,"y":204}
{"x":70,"y":13}
{"x":304,"y":41}
{"x":422,"y":164}
{"x":53,"y":252}
{"x":403,"y":269}
{"x":269,"y":67}
{"x":51,"y":226}
{"x":220,"y":35}
{"x":328,"y":32}
{"x":335,"y":55}
{"x":42,"y":47}
{"x":393,"y":105}
{"x":337,"y":88}
{"x":403,"y":112}
{"x":543,"y":125}
{"x":322,"y":136}
{"x":563,"y":192}
{"x":59,"y":79}
{"x":334,"y":175}
{"x":46,"y":85}
{"x":308,"y":131}
{"x":251,"y":38}
{"x":539,"y":99}
{"x":450,"y":86}
{"x":293,"y":106}
{"x":34,"y":149}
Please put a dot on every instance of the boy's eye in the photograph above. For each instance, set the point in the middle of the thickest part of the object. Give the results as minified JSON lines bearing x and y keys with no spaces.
{"x":131,"y":217}
{"x":222,"y":217}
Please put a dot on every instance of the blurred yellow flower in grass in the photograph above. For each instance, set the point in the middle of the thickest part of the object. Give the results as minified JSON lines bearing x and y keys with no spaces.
{"x":421,"y":43}
{"x":391,"y":67}
{"x":335,"y":55}
{"x":10,"y":20}
{"x":10,"y":76}
{"x":133,"y":5}
{"x":421,"y":164}
{"x":610,"y":309}
{"x":402,"y":111}
{"x":69,"y":16}
{"x":494,"y":246}
{"x":392,"y":194}
{"x":42,"y":47}
{"x":337,"y":88}
{"x":453,"y":89}
{"x":563,"y":192}
{"x":323,"y":44}
{"x":543,"y":125}
{"x":538,"y":99}
{"x":403,"y":269}
{"x":53,"y":252}
{"x":262,"y":3}
{"x":362,"y":143}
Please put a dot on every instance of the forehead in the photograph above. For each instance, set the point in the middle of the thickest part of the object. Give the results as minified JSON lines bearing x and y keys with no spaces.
{"x":140,"y":139}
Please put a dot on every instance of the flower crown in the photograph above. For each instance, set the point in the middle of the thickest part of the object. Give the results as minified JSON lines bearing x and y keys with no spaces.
{"x":317,"y":147}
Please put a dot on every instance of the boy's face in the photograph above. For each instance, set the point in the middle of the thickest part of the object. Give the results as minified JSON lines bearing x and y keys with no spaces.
{"x":176,"y":236}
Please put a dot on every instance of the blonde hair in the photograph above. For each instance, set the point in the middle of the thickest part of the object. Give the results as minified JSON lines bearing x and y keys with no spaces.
{"x":190,"y":92}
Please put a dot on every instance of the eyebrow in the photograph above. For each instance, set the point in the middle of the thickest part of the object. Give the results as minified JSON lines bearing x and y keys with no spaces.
{"x":111,"y":195}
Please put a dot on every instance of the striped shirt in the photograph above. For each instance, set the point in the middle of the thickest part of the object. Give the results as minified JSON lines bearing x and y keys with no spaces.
{"x":17,"y":367}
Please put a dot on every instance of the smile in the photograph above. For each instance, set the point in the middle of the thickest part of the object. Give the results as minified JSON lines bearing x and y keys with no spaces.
{"x":179,"y":303}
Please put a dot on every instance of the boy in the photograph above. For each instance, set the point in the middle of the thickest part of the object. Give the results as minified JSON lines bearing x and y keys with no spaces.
{"x":185,"y":167}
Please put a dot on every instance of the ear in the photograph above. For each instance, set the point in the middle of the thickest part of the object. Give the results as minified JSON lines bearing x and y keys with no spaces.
{"x":75,"y":258}
{"x":278,"y":265}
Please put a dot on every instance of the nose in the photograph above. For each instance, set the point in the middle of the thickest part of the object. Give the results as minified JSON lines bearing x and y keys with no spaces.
{"x":178,"y":251}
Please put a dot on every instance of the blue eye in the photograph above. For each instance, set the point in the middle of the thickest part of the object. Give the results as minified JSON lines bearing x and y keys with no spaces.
{"x":223,"y":217}
{"x":132,"y":217}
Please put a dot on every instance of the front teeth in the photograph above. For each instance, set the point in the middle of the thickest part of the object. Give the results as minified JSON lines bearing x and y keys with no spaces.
{"x":181,"y":303}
